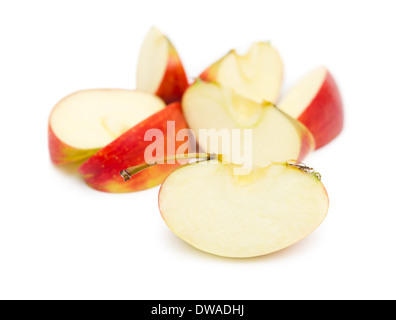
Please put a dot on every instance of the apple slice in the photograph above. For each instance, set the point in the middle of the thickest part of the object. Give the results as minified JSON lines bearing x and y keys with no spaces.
{"x":316,"y":102}
{"x":86,"y":121}
{"x":270,"y":209}
{"x":101,"y":171}
{"x":160,"y":70}
{"x":256,"y":75}
{"x":275,"y":135}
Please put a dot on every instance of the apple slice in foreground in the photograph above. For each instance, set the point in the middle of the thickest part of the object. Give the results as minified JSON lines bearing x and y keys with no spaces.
{"x":86,"y":121}
{"x":101,"y":171}
{"x":270,"y":209}
{"x":160,"y":70}
{"x":316,"y":102}
{"x":257,"y":75}
{"x":218,"y":110}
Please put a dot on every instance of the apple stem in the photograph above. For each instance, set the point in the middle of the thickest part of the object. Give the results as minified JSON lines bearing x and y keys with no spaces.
{"x":301,"y":166}
{"x":129,"y":172}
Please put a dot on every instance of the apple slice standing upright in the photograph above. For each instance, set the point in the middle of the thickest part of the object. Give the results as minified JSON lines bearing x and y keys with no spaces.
{"x":219,"y":111}
{"x":86,"y":121}
{"x":160,"y":70}
{"x":316,"y":102}
{"x":257,"y":75}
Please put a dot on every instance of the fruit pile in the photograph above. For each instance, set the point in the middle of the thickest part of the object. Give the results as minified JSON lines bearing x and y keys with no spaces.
{"x":278,"y":202}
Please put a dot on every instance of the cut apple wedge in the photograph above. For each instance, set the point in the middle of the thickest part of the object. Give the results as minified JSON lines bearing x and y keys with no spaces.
{"x":160,"y":70}
{"x":316,"y":102}
{"x":101,"y":171}
{"x":257,"y":75}
{"x":86,"y":121}
{"x":270,"y":209}
{"x":218,"y":110}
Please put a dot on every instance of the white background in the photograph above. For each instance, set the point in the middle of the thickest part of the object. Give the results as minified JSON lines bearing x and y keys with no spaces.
{"x":61,"y":239}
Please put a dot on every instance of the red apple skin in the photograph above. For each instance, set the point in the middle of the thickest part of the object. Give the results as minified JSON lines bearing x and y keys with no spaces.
{"x":61,"y":153}
{"x":324,"y":116}
{"x":307,"y":144}
{"x":210,"y":73}
{"x":102,"y":171}
{"x":207,"y":75}
{"x":174,"y":81}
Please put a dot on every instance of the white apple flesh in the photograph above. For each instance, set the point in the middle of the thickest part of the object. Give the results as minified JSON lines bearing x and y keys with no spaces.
{"x":242,"y":216}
